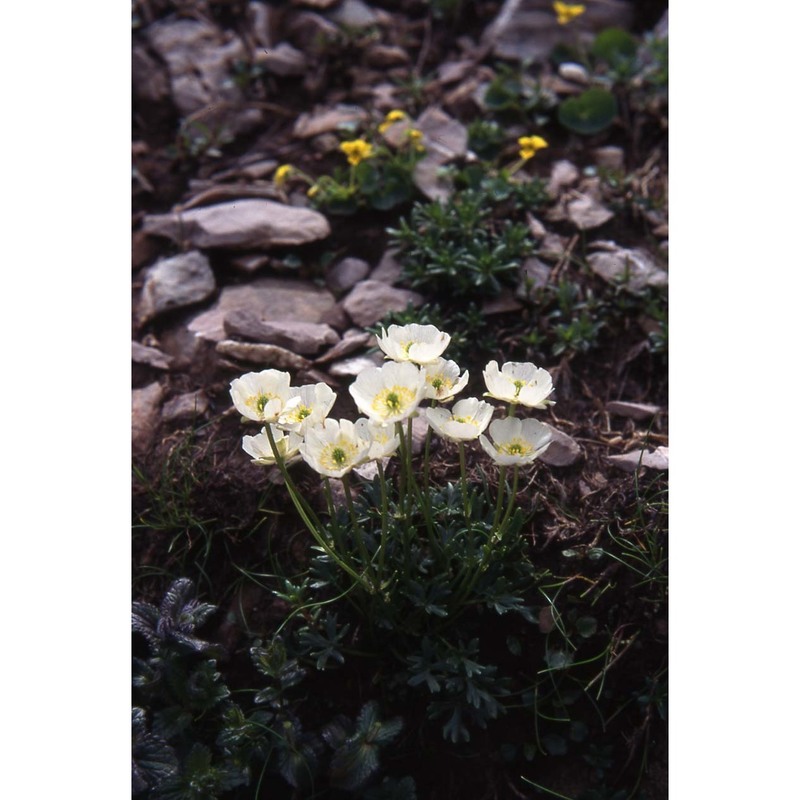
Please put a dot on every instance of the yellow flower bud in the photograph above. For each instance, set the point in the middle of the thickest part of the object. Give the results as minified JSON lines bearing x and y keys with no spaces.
{"x":566,"y":12}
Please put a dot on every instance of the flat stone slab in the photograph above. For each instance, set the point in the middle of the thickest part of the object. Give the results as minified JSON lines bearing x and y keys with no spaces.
{"x":306,"y":338}
{"x":266,"y":355}
{"x":268,"y":299}
{"x":633,"y":269}
{"x":241,"y":224}
{"x":176,"y":282}
{"x":630,"y":462}
{"x":637,"y":411}
{"x":145,"y":416}
{"x":371,"y":300}
{"x":563,"y":450}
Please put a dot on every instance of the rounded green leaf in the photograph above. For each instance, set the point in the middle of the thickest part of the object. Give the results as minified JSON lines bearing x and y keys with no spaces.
{"x":614,"y":46}
{"x":589,"y":112}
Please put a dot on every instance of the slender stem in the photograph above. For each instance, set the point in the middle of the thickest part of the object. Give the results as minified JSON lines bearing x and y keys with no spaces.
{"x":384,"y":522}
{"x":358,"y":533}
{"x":512,"y":500}
{"x":398,"y":427}
{"x":462,"y":461}
{"x":305,"y":513}
{"x":501,"y":485}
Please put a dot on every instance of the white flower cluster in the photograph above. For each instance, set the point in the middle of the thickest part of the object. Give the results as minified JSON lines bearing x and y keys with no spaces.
{"x":298,"y":416}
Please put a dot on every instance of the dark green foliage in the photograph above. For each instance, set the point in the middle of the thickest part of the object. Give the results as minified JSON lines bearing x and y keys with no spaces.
{"x":589,"y":112}
{"x":515,"y":96}
{"x":456,"y":248}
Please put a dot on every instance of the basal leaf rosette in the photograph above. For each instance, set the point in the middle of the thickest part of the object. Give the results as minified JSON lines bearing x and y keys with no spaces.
{"x":260,"y":451}
{"x":466,"y":421}
{"x":334,"y":447}
{"x":390,"y":393}
{"x":260,"y":396}
{"x":420,"y":344}
{"x":516,"y":441}
{"x":519,"y":382}
{"x":443,"y":380}
{"x":307,"y":406}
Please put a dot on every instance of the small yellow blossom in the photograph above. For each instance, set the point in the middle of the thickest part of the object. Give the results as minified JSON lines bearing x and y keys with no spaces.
{"x":312,"y":190}
{"x":356,"y":151}
{"x":528,"y":145}
{"x":281,"y":174}
{"x":396,"y":115}
{"x":415,"y":137}
{"x":566,"y":12}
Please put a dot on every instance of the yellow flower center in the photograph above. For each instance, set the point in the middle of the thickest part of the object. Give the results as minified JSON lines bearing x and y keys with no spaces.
{"x":337,"y":455}
{"x":518,"y":386}
{"x":259,"y":402}
{"x":465,"y":420}
{"x":393,"y":401}
{"x":440,"y":383}
{"x":516,"y":447}
{"x":566,"y":12}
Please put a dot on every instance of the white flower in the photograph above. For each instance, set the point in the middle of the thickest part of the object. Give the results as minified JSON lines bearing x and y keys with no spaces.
{"x":519,"y":382}
{"x":261,"y":395}
{"x":383,"y":438}
{"x":306,"y":406}
{"x":420,"y":344}
{"x":516,"y":441}
{"x":333,"y":448}
{"x":442,"y":381}
{"x":466,"y":421}
{"x":390,"y":393}
{"x":260,"y":450}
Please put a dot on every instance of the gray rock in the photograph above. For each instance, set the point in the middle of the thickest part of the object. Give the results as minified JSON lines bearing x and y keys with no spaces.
{"x":527,"y":30}
{"x":341,"y":117}
{"x":176,"y":282}
{"x":250,"y":263}
{"x":383,"y":55}
{"x":265,"y":355}
{"x":637,"y":411}
{"x":150,"y":356}
{"x":609,"y":158}
{"x":351,"y":367}
{"x":353,"y":339}
{"x":632,"y":268}
{"x":150,"y":79}
{"x":563,"y":451}
{"x":337,"y":318}
{"x":563,"y":174}
{"x":373,"y":300}
{"x":353,"y":14}
{"x":268,"y":299}
{"x":311,"y":32}
{"x":533,"y":274}
{"x":306,"y":338}
{"x":445,"y":139}
{"x":503,"y":303}
{"x":573,"y":72}
{"x":145,"y":406}
{"x":630,"y":462}
{"x":389,"y":269}
{"x":260,"y":16}
{"x":587,"y":213}
{"x":199,"y":58}
{"x":283,"y":60}
{"x":184,"y":407}
{"x":344,"y":275}
{"x":242,"y":224}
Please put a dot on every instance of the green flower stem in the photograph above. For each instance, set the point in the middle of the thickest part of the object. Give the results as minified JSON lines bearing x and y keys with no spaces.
{"x":384,"y":523}
{"x":501,"y":485}
{"x":306,"y":514}
{"x":358,"y":534}
{"x":512,"y":500}
{"x":424,"y":502}
{"x":512,"y":409}
{"x":427,"y":468}
{"x":398,"y":427}
{"x":462,"y":461}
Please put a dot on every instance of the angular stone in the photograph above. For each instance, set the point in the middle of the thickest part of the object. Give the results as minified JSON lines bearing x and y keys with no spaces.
{"x":533,"y":274}
{"x":609,"y":158}
{"x":637,"y":411}
{"x":283,"y":60}
{"x":306,"y":338}
{"x":353,"y":339}
{"x":389,"y":269}
{"x":353,"y":14}
{"x":145,"y":405}
{"x":383,"y":55}
{"x":371,"y":300}
{"x":190,"y":406}
{"x":241,"y":224}
{"x":267,"y":298}
{"x":260,"y":16}
{"x":631,"y":268}
{"x":503,"y":303}
{"x":587,"y":213}
{"x":344,"y":275}
{"x":630,"y":462}
{"x":311,"y":32}
{"x":563,"y":451}
{"x":351,"y":367}
{"x":445,"y":136}
{"x":266,"y":355}
{"x":176,"y":282}
{"x":563,"y":174}
{"x":341,"y":117}
{"x":150,"y":356}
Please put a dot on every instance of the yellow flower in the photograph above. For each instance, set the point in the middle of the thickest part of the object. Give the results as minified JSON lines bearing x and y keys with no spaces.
{"x":396,"y":115}
{"x":528,"y":145}
{"x":312,"y":190}
{"x":356,"y":151}
{"x":415,"y":137}
{"x":566,"y":12}
{"x":281,"y":174}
